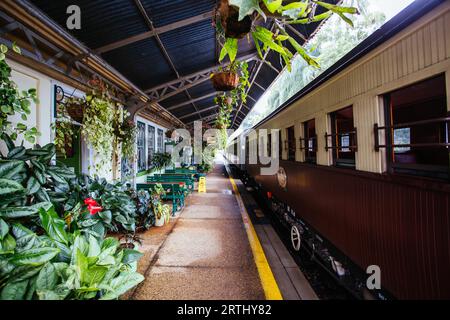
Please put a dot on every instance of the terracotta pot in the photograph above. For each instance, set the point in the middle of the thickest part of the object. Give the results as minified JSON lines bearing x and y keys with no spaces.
{"x":75,"y":111}
{"x":225,"y":81}
{"x":229,"y":17}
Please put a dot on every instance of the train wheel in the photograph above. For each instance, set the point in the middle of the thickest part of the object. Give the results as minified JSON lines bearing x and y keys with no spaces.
{"x":296,"y":238}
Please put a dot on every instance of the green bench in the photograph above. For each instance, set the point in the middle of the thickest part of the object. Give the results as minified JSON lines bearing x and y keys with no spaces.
{"x":174,"y":192}
{"x":173,"y":177}
{"x":194,"y":172}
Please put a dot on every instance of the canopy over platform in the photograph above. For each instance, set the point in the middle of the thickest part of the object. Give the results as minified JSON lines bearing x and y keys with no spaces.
{"x":168,"y":49}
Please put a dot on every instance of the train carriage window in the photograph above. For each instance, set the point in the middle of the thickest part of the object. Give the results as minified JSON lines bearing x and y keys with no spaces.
{"x":343,"y":138}
{"x":291,"y":143}
{"x":309,"y":143}
{"x":418,"y":129}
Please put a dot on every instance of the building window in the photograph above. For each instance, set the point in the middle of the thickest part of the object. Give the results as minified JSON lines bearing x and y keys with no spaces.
{"x":309,"y":143}
{"x":417,"y":133}
{"x":160,"y":141}
{"x":343,"y":138}
{"x":150,"y":143}
{"x":141,"y":163}
{"x":291,"y":143}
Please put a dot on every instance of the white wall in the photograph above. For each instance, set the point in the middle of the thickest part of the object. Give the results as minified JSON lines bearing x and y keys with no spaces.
{"x":41,"y":113}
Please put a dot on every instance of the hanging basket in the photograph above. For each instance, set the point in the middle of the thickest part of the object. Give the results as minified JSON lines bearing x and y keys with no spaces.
{"x":75,"y":111}
{"x":229,"y":17}
{"x":225,"y":81}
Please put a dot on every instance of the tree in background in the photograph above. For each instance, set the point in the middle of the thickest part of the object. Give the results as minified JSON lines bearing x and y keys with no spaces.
{"x":335,"y":39}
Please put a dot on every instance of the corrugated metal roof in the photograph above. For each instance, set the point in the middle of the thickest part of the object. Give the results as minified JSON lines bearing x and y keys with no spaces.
{"x":191,"y":48}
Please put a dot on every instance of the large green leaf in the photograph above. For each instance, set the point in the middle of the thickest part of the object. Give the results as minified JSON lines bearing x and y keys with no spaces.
{"x":122,"y":283}
{"x":17,"y":152}
{"x":14,"y":291}
{"x":302,"y":52}
{"x":10,"y":188}
{"x":54,"y":225}
{"x":130,"y":256}
{"x":35,"y":256}
{"x":246,"y":7}
{"x":230,"y":48}
{"x":273,"y":5}
{"x":9,"y":168}
{"x":33,"y":185}
{"x":4,"y":229}
{"x":47,"y":278}
{"x":20,"y":212}
{"x":8,"y":244}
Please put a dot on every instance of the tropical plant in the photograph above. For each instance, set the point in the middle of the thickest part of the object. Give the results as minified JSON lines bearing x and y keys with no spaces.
{"x":118,"y":210}
{"x":14,"y":102}
{"x":59,"y":265}
{"x":160,"y":210}
{"x":145,"y":215}
{"x":124,"y":132}
{"x":283,"y":13}
{"x":97,"y":127}
{"x":28,"y":178}
{"x":160,"y":160}
{"x":64,"y":131}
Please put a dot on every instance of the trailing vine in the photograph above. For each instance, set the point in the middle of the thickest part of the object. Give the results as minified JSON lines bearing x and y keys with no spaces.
{"x":14,"y":102}
{"x":97,"y":128}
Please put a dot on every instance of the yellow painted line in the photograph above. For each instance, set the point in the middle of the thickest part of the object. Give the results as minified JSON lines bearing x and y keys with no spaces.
{"x":268,"y":282}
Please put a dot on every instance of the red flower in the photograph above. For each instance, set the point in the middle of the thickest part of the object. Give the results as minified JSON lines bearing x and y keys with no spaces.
{"x":94,"y":209}
{"x":93,"y":206}
{"x":90,"y":202}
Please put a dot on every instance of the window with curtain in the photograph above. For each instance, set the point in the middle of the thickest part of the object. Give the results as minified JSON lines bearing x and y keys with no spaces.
{"x":150,"y":143}
{"x":141,"y":160}
{"x":160,"y":141}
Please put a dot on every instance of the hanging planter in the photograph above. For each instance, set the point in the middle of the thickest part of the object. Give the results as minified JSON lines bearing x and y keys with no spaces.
{"x":225,"y":81}
{"x":75,"y":111}
{"x":229,"y":19}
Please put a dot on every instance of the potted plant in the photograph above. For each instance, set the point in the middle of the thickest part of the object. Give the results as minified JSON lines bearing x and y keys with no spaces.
{"x":161,"y":211}
{"x":231,"y":77}
{"x":227,"y":19}
{"x":161,"y":160}
{"x":225,"y":80}
{"x":283,"y":13}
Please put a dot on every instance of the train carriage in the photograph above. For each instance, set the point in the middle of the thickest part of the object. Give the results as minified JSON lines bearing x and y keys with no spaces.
{"x":364,"y":170}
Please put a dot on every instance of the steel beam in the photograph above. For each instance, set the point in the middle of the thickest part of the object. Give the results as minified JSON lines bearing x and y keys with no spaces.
{"x":192,"y":101}
{"x":199,"y":112}
{"x":154,"y":32}
{"x":173,"y":87}
{"x":161,"y":46}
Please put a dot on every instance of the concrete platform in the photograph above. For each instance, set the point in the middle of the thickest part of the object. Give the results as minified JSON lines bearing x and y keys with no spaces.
{"x":205,"y":252}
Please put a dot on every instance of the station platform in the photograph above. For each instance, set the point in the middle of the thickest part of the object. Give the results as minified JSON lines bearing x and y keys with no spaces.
{"x":214,"y":251}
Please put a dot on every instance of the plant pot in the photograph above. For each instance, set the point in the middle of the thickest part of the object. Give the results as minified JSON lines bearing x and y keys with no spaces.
{"x":229,"y":17}
{"x":125,"y":245}
{"x":75,"y":111}
{"x":159,"y":222}
{"x":225,"y":81}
